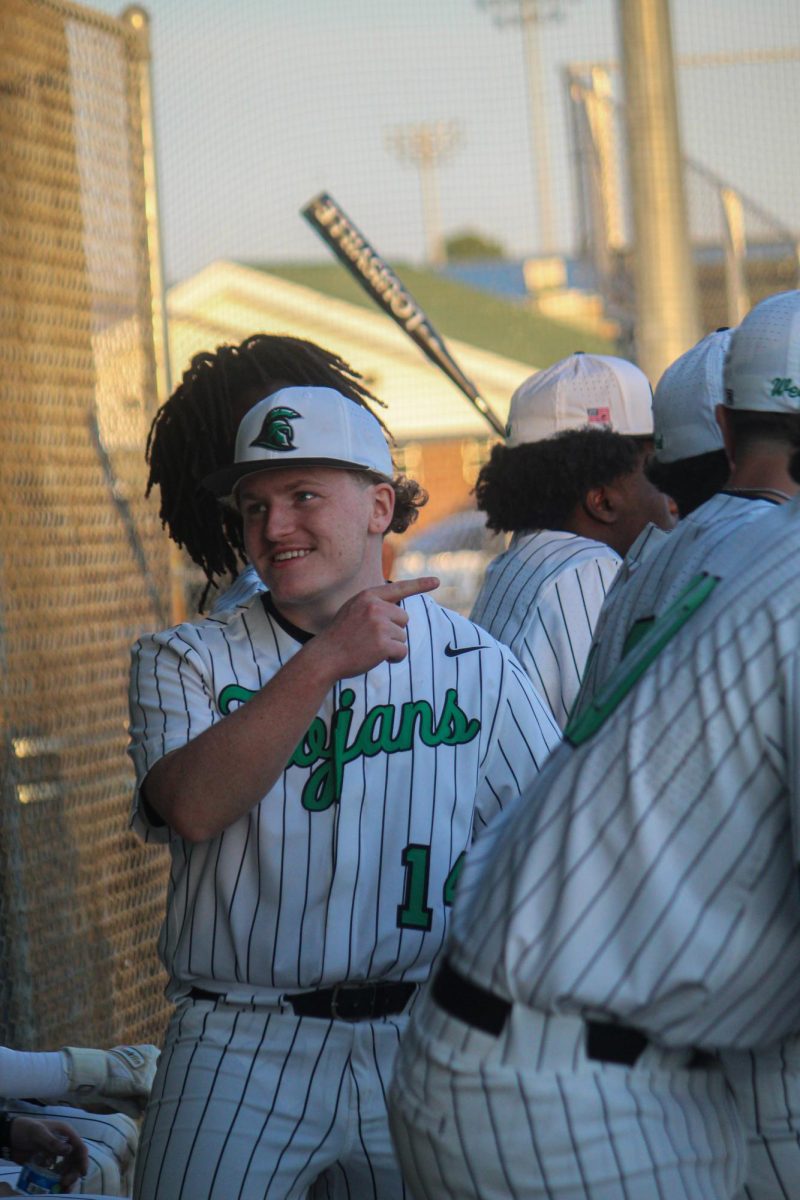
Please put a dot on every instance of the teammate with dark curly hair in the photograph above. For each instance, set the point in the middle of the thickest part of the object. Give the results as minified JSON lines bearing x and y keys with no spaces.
{"x":575,"y":501}
{"x":571,"y":482}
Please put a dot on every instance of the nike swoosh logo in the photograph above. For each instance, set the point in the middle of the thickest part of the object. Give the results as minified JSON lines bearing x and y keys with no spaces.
{"x":452,"y":651}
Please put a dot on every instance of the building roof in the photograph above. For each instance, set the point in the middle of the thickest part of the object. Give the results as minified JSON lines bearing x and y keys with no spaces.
{"x":465,"y":312}
{"x":227,"y":301}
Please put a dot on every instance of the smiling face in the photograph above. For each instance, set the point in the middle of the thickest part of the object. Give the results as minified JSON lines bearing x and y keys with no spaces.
{"x":314,"y":535}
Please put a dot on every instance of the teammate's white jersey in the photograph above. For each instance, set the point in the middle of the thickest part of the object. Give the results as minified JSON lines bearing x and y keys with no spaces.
{"x":542,"y":597}
{"x":650,"y":874}
{"x":649,"y":583}
{"x":343,"y":871}
{"x":246,"y":584}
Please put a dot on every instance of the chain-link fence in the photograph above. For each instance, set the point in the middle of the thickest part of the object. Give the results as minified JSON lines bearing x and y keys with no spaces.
{"x":84,"y":562}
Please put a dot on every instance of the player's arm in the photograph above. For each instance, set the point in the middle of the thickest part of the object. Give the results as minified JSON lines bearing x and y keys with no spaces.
{"x":205,"y":785}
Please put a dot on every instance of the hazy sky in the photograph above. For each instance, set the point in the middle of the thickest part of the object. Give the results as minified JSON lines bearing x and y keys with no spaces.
{"x":262,"y":103}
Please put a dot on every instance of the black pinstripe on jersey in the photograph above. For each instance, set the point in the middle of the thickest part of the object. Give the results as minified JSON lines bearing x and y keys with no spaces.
{"x":542,"y":597}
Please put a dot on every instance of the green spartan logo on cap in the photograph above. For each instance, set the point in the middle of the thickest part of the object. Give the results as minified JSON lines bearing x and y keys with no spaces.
{"x":276,"y":432}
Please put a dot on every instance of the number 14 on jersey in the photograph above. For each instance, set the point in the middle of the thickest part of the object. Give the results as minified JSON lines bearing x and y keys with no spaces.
{"x":414,"y":912}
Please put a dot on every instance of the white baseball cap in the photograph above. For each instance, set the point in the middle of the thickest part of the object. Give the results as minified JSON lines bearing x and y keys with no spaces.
{"x":762,"y":370}
{"x":684,"y":422}
{"x":584,"y":389}
{"x":305,"y":426}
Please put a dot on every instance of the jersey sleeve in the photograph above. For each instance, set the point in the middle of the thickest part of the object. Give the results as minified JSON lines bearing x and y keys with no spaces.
{"x":554,"y":643}
{"x":521,"y":733}
{"x":170,"y":703}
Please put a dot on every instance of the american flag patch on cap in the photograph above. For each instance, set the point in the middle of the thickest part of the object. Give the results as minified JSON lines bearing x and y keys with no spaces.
{"x":598,"y":416}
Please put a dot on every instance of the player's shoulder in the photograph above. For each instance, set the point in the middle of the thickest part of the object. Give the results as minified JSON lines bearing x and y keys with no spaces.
{"x":573,"y":570}
{"x":535,"y":561}
{"x":202,"y":630}
{"x":583,"y":549}
{"x":555,"y":545}
{"x":553,"y":552}
{"x":762,"y":554}
{"x":727,"y":529}
{"x":717,"y":519}
{"x":730,"y":506}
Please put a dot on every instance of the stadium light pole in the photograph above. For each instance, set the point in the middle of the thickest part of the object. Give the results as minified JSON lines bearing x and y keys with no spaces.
{"x":667,"y":321}
{"x":426,"y":145}
{"x":529,"y":14}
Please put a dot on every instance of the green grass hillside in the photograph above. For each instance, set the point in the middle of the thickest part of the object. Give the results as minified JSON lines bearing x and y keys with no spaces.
{"x":457,"y":311}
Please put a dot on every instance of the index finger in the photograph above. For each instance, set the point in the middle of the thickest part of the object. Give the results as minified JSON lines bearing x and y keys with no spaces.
{"x":399,"y":589}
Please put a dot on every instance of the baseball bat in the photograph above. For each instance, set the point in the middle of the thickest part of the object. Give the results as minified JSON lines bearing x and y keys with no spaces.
{"x":380,"y":282}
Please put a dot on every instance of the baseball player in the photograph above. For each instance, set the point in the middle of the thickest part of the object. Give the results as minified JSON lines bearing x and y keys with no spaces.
{"x":635,"y":918}
{"x":318,"y":760}
{"x":689,"y":462}
{"x":762,"y":431}
{"x":569,"y":485}
{"x":634,"y":914}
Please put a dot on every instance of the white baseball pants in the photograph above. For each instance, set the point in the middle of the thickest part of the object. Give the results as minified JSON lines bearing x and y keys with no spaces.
{"x":766,"y":1084}
{"x":255,"y":1104}
{"x":527,"y":1115}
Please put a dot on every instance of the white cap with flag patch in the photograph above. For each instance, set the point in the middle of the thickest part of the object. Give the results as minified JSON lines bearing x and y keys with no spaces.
{"x":305,"y":426}
{"x":762,"y":370}
{"x":584,"y":389}
{"x":686,"y":395}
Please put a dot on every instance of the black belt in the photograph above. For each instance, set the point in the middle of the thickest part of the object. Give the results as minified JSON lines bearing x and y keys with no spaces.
{"x":468,"y":1002}
{"x":475,"y":1006}
{"x":345,"y":1002}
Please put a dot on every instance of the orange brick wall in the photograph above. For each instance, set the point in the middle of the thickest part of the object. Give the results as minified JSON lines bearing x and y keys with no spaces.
{"x":447,"y":469}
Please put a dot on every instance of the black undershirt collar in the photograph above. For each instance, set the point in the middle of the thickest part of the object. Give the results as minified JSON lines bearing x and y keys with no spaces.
{"x":299,"y":635}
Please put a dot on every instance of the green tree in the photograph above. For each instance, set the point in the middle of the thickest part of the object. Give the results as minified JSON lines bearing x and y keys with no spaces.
{"x":469,"y":244}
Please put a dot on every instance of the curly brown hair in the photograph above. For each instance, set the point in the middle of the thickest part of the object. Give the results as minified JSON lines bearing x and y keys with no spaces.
{"x":537,"y":485}
{"x":409,"y":498}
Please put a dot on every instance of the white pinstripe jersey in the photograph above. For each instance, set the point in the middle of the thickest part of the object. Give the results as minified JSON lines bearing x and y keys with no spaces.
{"x":344,"y":871}
{"x":650,"y":874}
{"x":542,"y":597}
{"x":648,"y":584}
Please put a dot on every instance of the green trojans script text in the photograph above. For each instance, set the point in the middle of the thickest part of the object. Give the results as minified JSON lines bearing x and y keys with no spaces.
{"x":380,"y":733}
